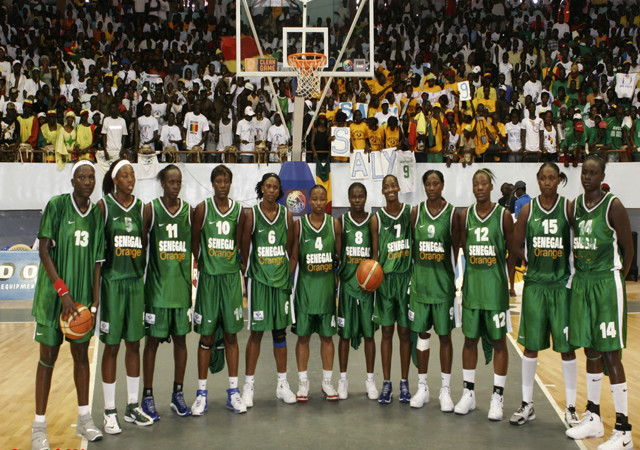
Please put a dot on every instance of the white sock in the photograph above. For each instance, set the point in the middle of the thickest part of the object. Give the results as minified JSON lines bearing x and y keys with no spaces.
{"x":40,"y":419}
{"x":202,"y":385}
{"x":594,"y":385}
{"x":283,"y":376}
{"x":109,"y":390}
{"x":83,"y":410}
{"x":619,"y":393}
{"x":499,"y":380}
{"x":248,"y":379}
{"x":570,"y":374}
{"x":233,"y":382}
{"x":343,"y":375}
{"x":529,"y":366}
{"x":369,"y":376}
{"x":446,"y":379}
{"x":133,"y":389}
{"x":303,"y":375}
{"x":327,"y":374}
{"x":422,"y":378}
{"x":469,"y":375}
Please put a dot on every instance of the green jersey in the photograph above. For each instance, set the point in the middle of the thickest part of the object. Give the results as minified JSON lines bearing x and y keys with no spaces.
{"x":433,"y":277}
{"x":636,"y":132}
{"x":315,"y":277}
{"x":168,"y":281}
{"x":78,"y":244}
{"x":356,"y":247}
{"x":123,"y":236}
{"x":548,"y":244}
{"x":394,"y":240}
{"x":486,"y":284}
{"x":218,"y":249}
{"x":595,"y":242}
{"x":614,"y":129}
{"x":268,"y":259}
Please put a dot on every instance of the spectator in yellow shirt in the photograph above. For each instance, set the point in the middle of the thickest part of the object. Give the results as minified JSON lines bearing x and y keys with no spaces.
{"x":358,"y":132}
{"x":486,"y":100}
{"x":393,"y":135}
{"x":375,"y":135}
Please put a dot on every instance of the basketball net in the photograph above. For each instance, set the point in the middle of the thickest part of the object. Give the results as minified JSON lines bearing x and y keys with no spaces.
{"x":308,"y":67}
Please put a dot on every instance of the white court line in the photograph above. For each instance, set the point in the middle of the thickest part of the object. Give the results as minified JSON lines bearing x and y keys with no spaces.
{"x":92,"y":378}
{"x":547,"y":394}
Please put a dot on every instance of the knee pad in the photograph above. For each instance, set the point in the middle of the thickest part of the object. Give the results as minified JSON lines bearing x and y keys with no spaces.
{"x":203,"y":346}
{"x":279,"y":338}
{"x":422,"y":344}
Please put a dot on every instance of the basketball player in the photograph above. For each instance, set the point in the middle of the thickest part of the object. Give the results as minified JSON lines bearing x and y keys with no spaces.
{"x":267,"y":243}
{"x":122,"y":293}
{"x":216,"y":234}
{"x":71,"y":249}
{"x":167,"y":227}
{"x":603,"y":251}
{"x":543,"y":229}
{"x":355,"y":306}
{"x":316,"y":239}
{"x":435,"y":225}
{"x":486,"y":234}
{"x":391,"y":237}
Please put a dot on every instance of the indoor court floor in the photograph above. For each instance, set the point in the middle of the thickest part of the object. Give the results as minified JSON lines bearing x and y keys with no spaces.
{"x":353,"y":423}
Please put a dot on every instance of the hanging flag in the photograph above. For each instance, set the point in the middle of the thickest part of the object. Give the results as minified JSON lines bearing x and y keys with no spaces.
{"x":323,"y":178}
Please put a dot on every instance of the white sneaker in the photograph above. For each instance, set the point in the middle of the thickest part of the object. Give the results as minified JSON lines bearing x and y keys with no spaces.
{"x":467,"y":402}
{"x":571,"y":416}
{"x":87,"y":429}
{"x":496,"y":407}
{"x":329,"y":391}
{"x":39,"y":439}
{"x":234,"y":401}
{"x":111,"y":422}
{"x":303,"y":391}
{"x":523,"y":415}
{"x":247,"y":395}
{"x":200,"y":404}
{"x":284,"y":393}
{"x":372,"y":391}
{"x":589,"y":427}
{"x":446,"y":404}
{"x":421,"y":397}
{"x":343,"y":389}
{"x":619,"y":440}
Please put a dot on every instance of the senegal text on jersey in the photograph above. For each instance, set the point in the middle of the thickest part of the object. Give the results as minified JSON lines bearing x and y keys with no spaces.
{"x":128,"y":246}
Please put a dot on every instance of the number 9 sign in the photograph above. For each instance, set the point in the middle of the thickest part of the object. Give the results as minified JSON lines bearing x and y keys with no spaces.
{"x":465,"y":90}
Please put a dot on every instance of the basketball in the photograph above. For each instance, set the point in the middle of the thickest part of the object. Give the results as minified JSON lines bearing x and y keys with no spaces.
{"x":78,"y":326}
{"x":369,"y":275}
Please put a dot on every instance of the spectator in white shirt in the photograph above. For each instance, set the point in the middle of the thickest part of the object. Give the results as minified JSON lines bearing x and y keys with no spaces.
{"x":383,"y":116}
{"x":532,"y":127}
{"x":246,"y":136}
{"x":147,"y":128}
{"x":114,"y":132}
{"x":515,"y":137}
{"x":196,"y":127}
{"x":277,"y":135}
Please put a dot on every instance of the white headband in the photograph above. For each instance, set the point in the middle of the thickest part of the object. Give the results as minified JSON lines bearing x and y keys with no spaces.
{"x":79,"y":164}
{"x":119,"y":166}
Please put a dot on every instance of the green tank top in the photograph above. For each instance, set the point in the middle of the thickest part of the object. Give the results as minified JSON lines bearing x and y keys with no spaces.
{"x":268,"y":259}
{"x":486,"y":284}
{"x":168,"y":281}
{"x":595,"y":242}
{"x":125,"y":257}
{"x":78,"y":243}
{"x":315,"y":278}
{"x":394,"y":240}
{"x":433,"y":277}
{"x":218,"y":249}
{"x":356,"y":247}
{"x":548,"y":244}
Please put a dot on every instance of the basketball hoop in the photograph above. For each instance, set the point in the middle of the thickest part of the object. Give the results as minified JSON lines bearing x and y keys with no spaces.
{"x":308,"y":67}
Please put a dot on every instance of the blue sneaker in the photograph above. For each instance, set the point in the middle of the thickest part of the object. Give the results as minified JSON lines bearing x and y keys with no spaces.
{"x":234,"y":401}
{"x":405,"y":395}
{"x":385,"y":395}
{"x":149,"y":408}
{"x":178,"y":404}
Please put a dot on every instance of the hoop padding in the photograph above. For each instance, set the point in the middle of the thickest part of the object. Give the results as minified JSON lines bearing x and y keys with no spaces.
{"x":308,"y":67}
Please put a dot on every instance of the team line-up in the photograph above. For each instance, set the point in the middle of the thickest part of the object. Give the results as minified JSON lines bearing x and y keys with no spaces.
{"x":577,"y":253}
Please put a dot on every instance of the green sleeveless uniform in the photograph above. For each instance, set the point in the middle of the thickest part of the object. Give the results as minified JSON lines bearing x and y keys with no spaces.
{"x":269,"y":287}
{"x":78,"y":244}
{"x":219,"y":295}
{"x":485,"y":289}
{"x":394,"y":248}
{"x":433,"y":285}
{"x":315,"y":286}
{"x":355,"y":306}
{"x":122,"y":293}
{"x":168,"y":282}
{"x":545,"y":298}
{"x":598,"y":312}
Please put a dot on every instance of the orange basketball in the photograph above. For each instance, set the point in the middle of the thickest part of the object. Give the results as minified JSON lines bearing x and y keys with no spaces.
{"x":369,"y":275}
{"x":78,"y":326}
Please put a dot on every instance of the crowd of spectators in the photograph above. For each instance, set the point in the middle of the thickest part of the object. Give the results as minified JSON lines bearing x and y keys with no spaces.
{"x":101,"y":79}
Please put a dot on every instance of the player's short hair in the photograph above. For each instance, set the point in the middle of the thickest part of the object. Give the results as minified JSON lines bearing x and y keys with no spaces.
{"x":355,"y":186}
{"x":221,"y":170}
{"x":165,"y":170}
{"x":316,"y":187}
{"x":598,"y":159}
{"x":432,"y":172}
{"x":487,"y":172}
{"x":389,"y":176}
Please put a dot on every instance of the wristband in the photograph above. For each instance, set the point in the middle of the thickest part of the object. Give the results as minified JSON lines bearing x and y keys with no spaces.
{"x":60,"y":287}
